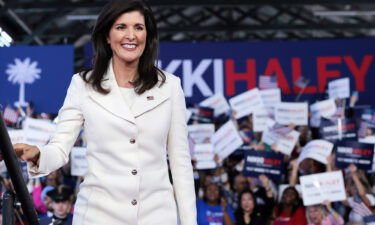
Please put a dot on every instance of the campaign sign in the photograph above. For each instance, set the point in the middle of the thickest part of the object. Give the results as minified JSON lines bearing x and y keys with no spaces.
{"x":205,"y":114}
{"x":286,"y":142}
{"x":352,"y":152}
{"x":204,"y":156}
{"x":260,"y":118}
{"x":226,"y":140}
{"x":330,"y":129}
{"x":339,"y":88}
{"x":201,"y":133}
{"x":322,"y":186}
{"x":324,"y":108}
{"x":290,"y":112}
{"x":218,"y":103}
{"x":38,"y":131}
{"x":79,"y":164}
{"x":317,"y":150}
{"x":246,"y":103}
{"x":271,"y":97}
{"x":17,"y":136}
{"x":267,"y":163}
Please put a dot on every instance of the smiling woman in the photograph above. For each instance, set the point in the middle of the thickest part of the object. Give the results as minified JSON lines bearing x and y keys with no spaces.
{"x":116,"y":102}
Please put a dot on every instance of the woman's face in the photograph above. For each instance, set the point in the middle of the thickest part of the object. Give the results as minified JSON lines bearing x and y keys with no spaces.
{"x":212,"y":193}
{"x":247,"y":202}
{"x":127,"y":37}
{"x":315,"y":214}
{"x":290,"y":197}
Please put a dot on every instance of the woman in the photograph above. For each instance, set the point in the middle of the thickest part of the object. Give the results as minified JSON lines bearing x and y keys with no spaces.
{"x":360,"y":197}
{"x":133,"y":115}
{"x":249,"y":211}
{"x":290,"y":210}
{"x":323,"y":215}
{"x":212,"y":209}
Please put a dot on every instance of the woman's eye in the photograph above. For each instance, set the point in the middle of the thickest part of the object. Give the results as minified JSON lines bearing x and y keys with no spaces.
{"x":120,"y":27}
{"x":139,"y":27}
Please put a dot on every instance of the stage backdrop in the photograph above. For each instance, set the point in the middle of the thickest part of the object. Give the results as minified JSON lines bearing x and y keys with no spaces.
{"x":233,"y":67}
{"x":40,"y":74}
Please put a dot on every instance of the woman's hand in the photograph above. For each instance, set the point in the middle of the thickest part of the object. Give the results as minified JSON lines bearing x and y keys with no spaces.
{"x":29,"y":153}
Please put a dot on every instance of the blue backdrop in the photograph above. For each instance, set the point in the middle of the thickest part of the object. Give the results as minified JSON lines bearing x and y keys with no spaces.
{"x":207,"y":68}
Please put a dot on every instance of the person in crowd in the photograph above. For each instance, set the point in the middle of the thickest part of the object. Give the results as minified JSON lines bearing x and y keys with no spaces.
{"x":360,"y":197}
{"x":323,"y":214}
{"x":61,"y":206}
{"x":117,"y":102}
{"x":232,"y":195}
{"x":213,"y":209}
{"x":250,"y":211}
{"x":290,"y":210}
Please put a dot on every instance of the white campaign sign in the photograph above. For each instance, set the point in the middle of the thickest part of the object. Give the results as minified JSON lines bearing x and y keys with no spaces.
{"x":324,"y":108}
{"x":204,"y":155}
{"x":271,"y":97}
{"x":316,"y":149}
{"x":226,"y":140}
{"x":285,"y":144}
{"x":218,"y":103}
{"x":339,"y":88}
{"x":260,"y":118}
{"x":78,"y":161}
{"x":246,"y":103}
{"x":38,"y":131}
{"x":288,"y":112}
{"x":201,"y":133}
{"x":17,"y":136}
{"x":322,"y":186}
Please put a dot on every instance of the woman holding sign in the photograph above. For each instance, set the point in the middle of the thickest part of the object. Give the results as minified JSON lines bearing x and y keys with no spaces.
{"x":133,"y":115}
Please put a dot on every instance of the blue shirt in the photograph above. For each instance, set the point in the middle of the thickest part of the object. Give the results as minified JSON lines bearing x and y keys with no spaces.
{"x":211,"y":215}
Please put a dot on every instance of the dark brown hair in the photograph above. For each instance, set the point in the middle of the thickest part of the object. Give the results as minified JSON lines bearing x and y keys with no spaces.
{"x":148,"y":72}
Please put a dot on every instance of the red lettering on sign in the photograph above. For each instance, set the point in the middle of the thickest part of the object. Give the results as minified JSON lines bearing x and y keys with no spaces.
{"x":231,"y":76}
{"x":359,"y":73}
{"x":324,"y":73}
{"x":272,"y":161}
{"x":273,"y":67}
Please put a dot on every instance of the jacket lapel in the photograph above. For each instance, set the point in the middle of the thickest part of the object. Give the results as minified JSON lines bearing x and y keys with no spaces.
{"x":150,"y":99}
{"x":113,"y":101}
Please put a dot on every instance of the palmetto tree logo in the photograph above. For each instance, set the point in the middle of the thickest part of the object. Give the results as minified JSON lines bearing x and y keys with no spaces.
{"x":23,"y":72}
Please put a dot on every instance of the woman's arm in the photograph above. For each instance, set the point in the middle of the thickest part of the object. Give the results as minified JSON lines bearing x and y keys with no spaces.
{"x":227,"y":219}
{"x":360,"y":188}
{"x":56,"y":153}
{"x":179,"y":157}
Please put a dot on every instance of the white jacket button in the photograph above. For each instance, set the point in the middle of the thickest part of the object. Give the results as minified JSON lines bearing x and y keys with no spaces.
{"x":134,"y":202}
{"x":132,"y":141}
{"x":134,"y":172}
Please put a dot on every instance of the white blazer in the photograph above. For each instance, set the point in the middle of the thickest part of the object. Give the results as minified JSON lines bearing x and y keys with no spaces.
{"x":127,"y":181}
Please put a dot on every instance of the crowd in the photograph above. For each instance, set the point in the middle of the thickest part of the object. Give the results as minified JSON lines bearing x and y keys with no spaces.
{"x":225,"y":196}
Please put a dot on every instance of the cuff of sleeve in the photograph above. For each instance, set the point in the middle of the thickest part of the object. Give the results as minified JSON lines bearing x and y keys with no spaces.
{"x":37,"y":170}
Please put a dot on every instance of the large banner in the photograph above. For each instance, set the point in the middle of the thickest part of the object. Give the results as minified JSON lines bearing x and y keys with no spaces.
{"x":232,"y":68}
{"x":40,"y":74}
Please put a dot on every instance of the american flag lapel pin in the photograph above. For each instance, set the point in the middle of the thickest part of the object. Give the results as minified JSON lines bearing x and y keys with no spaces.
{"x":150,"y":97}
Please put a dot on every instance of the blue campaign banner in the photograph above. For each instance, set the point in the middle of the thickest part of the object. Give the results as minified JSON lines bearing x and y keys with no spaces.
{"x":261,"y":162}
{"x":329,"y":129}
{"x":234,"y":67}
{"x":352,"y":152}
{"x":40,"y":74}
